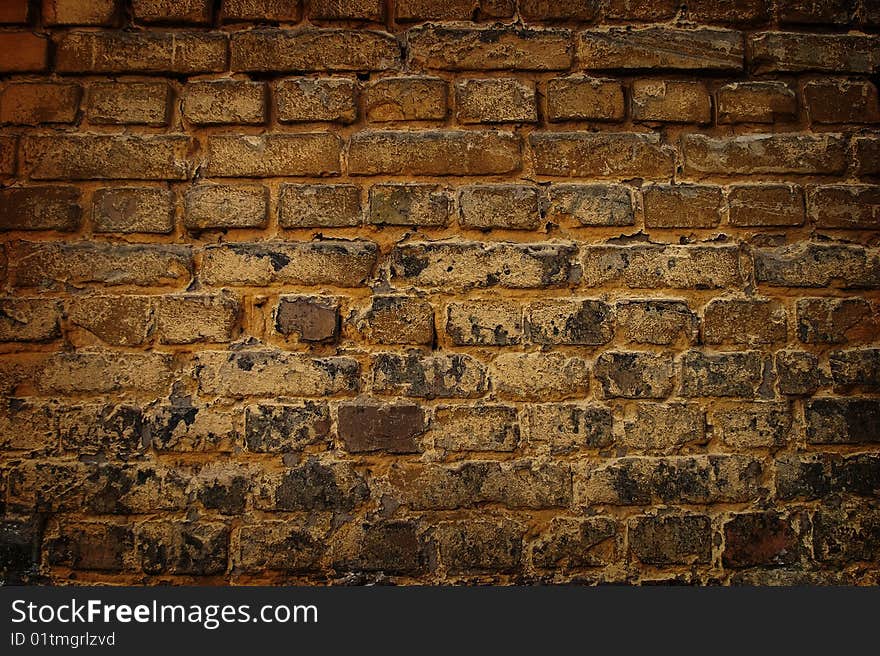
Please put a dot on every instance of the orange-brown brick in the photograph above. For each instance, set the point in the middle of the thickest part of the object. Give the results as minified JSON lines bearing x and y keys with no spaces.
{"x":327,"y":99}
{"x":33,"y":103}
{"x":765,"y":205}
{"x":273,"y":155}
{"x":756,"y":102}
{"x":13,"y":12}
{"x":671,"y":101}
{"x":682,"y":206}
{"x":583,"y":98}
{"x":227,"y":101}
{"x":496,"y":100}
{"x":172,"y":11}
{"x":604,"y":155}
{"x":452,"y":10}
{"x":76,"y":12}
{"x":133,"y":209}
{"x":23,"y":52}
{"x":841,"y":101}
{"x":406,"y":99}
{"x":370,"y":10}
{"x":261,"y":10}
{"x":141,"y":103}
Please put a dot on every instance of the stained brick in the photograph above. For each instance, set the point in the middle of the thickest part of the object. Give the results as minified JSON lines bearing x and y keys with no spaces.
{"x":753,"y":154}
{"x":29,"y":319}
{"x":409,"y":204}
{"x":545,"y":376}
{"x":783,"y":52}
{"x":75,"y":12}
{"x":592,"y":204}
{"x":393,"y":427}
{"x":495,"y":100}
{"x":600,"y":154}
{"x":172,"y":11}
{"x":634,"y":375}
{"x":261,"y":10}
{"x":135,"y":103}
{"x":752,"y":425}
{"x":570,"y":321}
{"x":756,"y":102}
{"x":656,"y":321}
{"x":311,"y":318}
{"x":40,"y":208}
{"x":762,"y":205}
{"x":123,"y":320}
{"x":370,"y":10}
{"x":568,"y":427}
{"x":405,"y":99}
{"x":226,"y":101}
{"x":681,"y":206}
{"x":663,"y":427}
{"x":721,"y":374}
{"x":326,"y":99}
{"x":32,"y":103}
{"x":499,"y":206}
{"x":429,"y":376}
{"x":400,"y":320}
{"x":449,"y":10}
{"x":190,"y":318}
{"x":579,"y":98}
{"x":744,"y":321}
{"x":671,"y":101}
{"x":808,"y":264}
{"x":841,"y":101}
{"x":133,"y":209}
{"x":226,"y":206}
{"x":475,"y":428}
{"x":274,"y":155}
{"x":484,"y":323}
{"x":671,"y":539}
{"x":323,"y":205}
{"x":834,"y":320}
{"x":576,"y":543}
{"x":274,"y":428}
{"x":845,"y":206}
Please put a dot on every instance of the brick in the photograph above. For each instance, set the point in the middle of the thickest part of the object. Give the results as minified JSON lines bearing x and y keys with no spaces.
{"x":118,"y":320}
{"x":546,"y":376}
{"x":660,"y":47}
{"x":570,"y":321}
{"x":642,"y":10}
{"x":95,"y":546}
{"x":409,"y":204}
{"x":226,"y":206}
{"x":797,"y":154}
{"x":456,"y":48}
{"x":400,"y":320}
{"x":226,"y":101}
{"x":514,"y":207}
{"x":40,"y":208}
{"x":314,"y":486}
{"x":474,"y":264}
{"x":634,"y":375}
{"x":392,"y":547}
{"x":191,"y":318}
{"x":484,"y":323}
{"x":129,"y":103}
{"x":567,"y":427}
{"x":658,"y":322}
{"x":479,"y":545}
{"x":803,"y":477}
{"x":107,"y":157}
{"x":326,"y":99}
{"x":133,"y":209}
{"x":841,"y":101}
{"x":835,"y":320}
{"x":845,"y":206}
{"x":98,"y":372}
{"x":28,"y":425}
{"x":858,"y":474}
{"x":855,"y":370}
{"x":179,"y":53}
{"x":284,"y":11}
{"x":184,"y":427}
{"x":267,"y":372}
{"x":282,"y":51}
{"x":744,"y":12}
{"x":392,"y":427}
{"x":808,"y":264}
{"x":280,"y":428}
{"x":283,"y":546}
{"x":274,"y":155}
{"x":671,"y":539}
{"x":756,"y":102}
{"x":575,"y":543}
{"x":600,"y":155}
{"x":761,"y":538}
{"x":14,"y":12}
{"x":591,"y":204}
{"x":98,"y":428}
{"x":433,"y":152}
{"x":454,"y":375}
{"x":75,"y":12}
{"x":671,"y":101}
{"x":368,"y":10}
{"x":29,"y":319}
{"x":322,"y":205}
{"x":752,"y":425}
{"x":867,"y":151}
{"x":828,"y":12}
{"x":681,"y":206}
{"x":78,"y":263}
{"x":655,"y":266}
{"x":27,"y":103}
{"x":797,"y":372}
{"x":784,"y":52}
{"x":744,"y":321}
{"x":762,"y":205}
{"x":699,"y":479}
{"x":405,"y":99}
{"x":327,"y":262}
{"x":178,"y":547}
{"x":579,"y":98}
{"x":222,"y":489}
{"x":847,"y":533}
{"x":475,"y":428}
{"x":8,"y":148}
{"x":311,"y":318}
{"x":172,"y":11}
{"x":721,"y":374}
{"x":495,"y":100}
{"x":452,"y":10}
{"x":24,"y":52}
{"x":661,"y":427}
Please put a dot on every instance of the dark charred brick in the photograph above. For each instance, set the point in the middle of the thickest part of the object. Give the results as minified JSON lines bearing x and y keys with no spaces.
{"x":634,"y":375}
{"x":842,"y":420}
{"x":19,"y":551}
{"x":92,"y":546}
{"x":479,"y":545}
{"x":274,"y":428}
{"x":855,"y":370}
{"x":312,"y":318}
{"x":847,"y":532}
{"x":567,"y":427}
{"x":429,"y":376}
{"x":798,"y":373}
{"x":671,"y":539}
{"x":484,"y":322}
{"x":223,"y":489}
{"x":571,"y":543}
{"x":765,"y":538}
{"x":721,"y":374}
{"x":278,"y":546}
{"x":803,"y":477}
{"x":314,"y":485}
{"x":566,"y":321}
{"x":391,"y":546}
{"x":102,"y":428}
{"x":394,"y":428}
{"x":198,"y":549}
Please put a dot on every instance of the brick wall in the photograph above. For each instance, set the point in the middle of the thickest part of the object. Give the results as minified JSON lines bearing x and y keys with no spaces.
{"x":423,"y":291}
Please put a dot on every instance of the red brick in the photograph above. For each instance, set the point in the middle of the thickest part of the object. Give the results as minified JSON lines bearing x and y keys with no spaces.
{"x":841,"y":101}
{"x":23,"y":52}
{"x":34,"y":103}
{"x":40,"y":208}
{"x":138,"y":103}
{"x":369,"y":10}
{"x":172,"y":11}
{"x":393,"y":427}
{"x":602,"y":155}
{"x":77,"y":12}
{"x":8,"y":149}
{"x":584,"y":98}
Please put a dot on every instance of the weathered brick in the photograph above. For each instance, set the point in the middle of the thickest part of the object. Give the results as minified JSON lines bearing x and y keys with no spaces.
{"x":183,"y":426}
{"x":846,"y":533}
{"x":307,"y":99}
{"x":78,"y":263}
{"x":651,"y":426}
{"x":855,"y":370}
{"x":681,"y":206}
{"x":282,"y":51}
{"x":835,"y":320}
{"x":224,"y":101}
{"x":495,"y":100}
{"x":539,"y":375}
{"x":479,"y":545}
{"x":656,"y":321}
{"x":118,"y":320}
{"x":129,"y":103}
{"x":591,"y":204}
{"x":76,"y":12}
{"x":452,"y":10}
{"x":178,"y":547}
{"x":515,"y":207}
{"x":141,"y":52}
{"x":660,"y":47}
{"x":222,"y":488}
{"x":845,"y":206}
{"x":473,"y":264}
{"x":24,"y":52}
{"x":190,"y":318}
{"x":797,"y":372}
{"x":798,"y":154}
{"x":388,"y":546}
{"x":274,"y":155}
{"x":744,"y":321}
{"x":225,"y":206}
{"x":579,"y":98}
{"x":600,"y":155}
{"x":97,"y":372}
{"x":370,"y":10}
{"x":654,"y":266}
{"x":743,"y":12}
{"x":429,"y":376}
{"x":721,"y":374}
{"x":278,"y":546}
{"x":761,"y":205}
{"x":552,"y":10}
{"x":566,"y":427}
{"x":867,"y":151}
{"x":322,"y":205}
{"x":172,"y":11}
{"x":409,"y":204}
{"x":671,"y":539}
{"x":475,"y":428}
{"x":8,"y":148}
{"x":311,"y":318}
{"x":395,"y":319}
{"x":279,"y":428}
{"x":642,"y":10}
{"x":433,"y":152}
{"x":570,"y":321}
{"x":783,"y":52}
{"x":32,"y":103}
{"x":390,"y":427}
{"x":842,"y":101}
{"x":405,"y":99}
{"x":107,"y":157}
{"x":133,"y":209}
{"x":857,"y":474}
{"x":634,"y":375}
{"x":671,"y":101}
{"x":40,"y":208}
{"x":29,"y":319}
{"x":756,"y":102}
{"x":314,"y":485}
{"x":96,"y":546}
{"x":808,"y":264}
{"x":803,"y":476}
{"x":484,"y":323}
{"x":816,"y":11}
{"x":327,"y":262}
{"x":574,"y":543}
{"x":457,"y":48}
{"x":284,"y":11}
{"x":752,"y":425}
{"x":760,"y":538}
{"x":265,"y":372}
{"x":99,"y":428}
{"x":28,"y":425}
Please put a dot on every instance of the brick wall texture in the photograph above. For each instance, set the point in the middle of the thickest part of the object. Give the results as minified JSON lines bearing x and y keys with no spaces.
{"x":440,"y":291}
